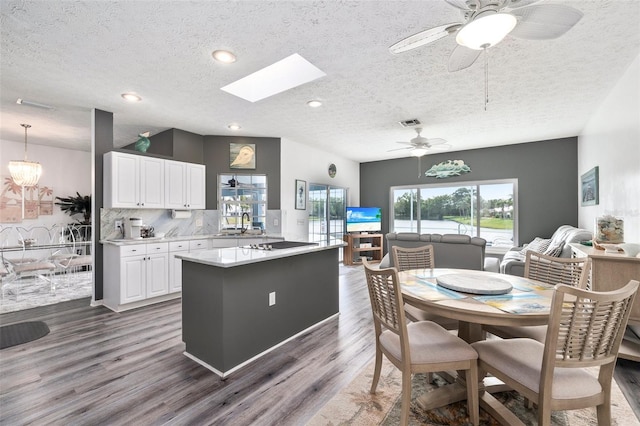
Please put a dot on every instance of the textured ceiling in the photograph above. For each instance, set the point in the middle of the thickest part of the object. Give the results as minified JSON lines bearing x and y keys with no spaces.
{"x":79,"y":55}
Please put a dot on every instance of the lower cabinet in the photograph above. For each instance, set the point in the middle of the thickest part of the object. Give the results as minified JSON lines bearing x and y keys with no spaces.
{"x":140,"y":274}
{"x":134,"y":274}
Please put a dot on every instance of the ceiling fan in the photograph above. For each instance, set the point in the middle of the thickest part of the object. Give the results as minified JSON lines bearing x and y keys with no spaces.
{"x":421,"y":146}
{"x":486,"y":22}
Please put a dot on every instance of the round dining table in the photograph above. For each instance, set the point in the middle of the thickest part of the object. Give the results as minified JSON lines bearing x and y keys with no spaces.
{"x":488,"y":298}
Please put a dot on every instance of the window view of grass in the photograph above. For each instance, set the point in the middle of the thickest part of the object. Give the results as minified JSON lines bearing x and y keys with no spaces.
{"x":483,"y":210}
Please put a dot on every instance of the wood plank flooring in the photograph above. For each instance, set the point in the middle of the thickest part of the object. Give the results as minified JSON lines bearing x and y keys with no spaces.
{"x":97,"y":367}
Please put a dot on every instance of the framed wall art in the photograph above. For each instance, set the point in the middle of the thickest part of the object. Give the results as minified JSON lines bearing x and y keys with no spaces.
{"x":242,"y":155}
{"x":301,"y":194}
{"x":589,"y":187}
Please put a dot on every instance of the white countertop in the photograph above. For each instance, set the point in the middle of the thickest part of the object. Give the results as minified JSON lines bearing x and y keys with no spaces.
{"x":236,"y":256}
{"x":128,"y":241}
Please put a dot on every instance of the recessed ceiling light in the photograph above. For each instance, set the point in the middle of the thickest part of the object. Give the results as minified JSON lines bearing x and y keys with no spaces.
{"x":314,"y":103}
{"x":234,"y":126}
{"x":224,"y":56}
{"x":131,"y":97}
{"x":285,"y":74}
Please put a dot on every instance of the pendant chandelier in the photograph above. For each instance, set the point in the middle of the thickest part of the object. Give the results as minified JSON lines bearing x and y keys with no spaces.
{"x":25,"y":173}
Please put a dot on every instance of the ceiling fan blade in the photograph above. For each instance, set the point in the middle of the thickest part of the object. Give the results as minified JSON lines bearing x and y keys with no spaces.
{"x":545,"y":21}
{"x":424,"y":37}
{"x":400,"y":149}
{"x":458,"y":4}
{"x":435,"y":141}
{"x":514,"y":4}
{"x":405,"y":143}
{"x":462,"y":57}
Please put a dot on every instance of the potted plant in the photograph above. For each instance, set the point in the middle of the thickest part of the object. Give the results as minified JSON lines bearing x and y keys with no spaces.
{"x":77,"y":205}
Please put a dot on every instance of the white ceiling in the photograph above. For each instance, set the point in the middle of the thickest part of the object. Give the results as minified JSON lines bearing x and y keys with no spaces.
{"x":79,"y":55}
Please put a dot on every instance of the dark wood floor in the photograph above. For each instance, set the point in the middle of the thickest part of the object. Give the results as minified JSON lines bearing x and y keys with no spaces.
{"x":99,"y":367}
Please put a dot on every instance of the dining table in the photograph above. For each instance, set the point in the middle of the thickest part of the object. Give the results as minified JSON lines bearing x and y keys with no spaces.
{"x":474,"y":298}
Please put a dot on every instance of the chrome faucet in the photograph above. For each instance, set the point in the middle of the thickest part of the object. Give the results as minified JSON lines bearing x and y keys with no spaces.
{"x":242,"y":228}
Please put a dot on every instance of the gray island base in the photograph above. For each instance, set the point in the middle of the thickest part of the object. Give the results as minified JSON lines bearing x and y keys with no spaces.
{"x":240,"y":303}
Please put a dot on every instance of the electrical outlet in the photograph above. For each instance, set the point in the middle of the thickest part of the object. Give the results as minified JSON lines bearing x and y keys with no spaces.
{"x":275,"y":222}
{"x":198,"y":222}
{"x":272,"y":298}
{"x":118,"y":225}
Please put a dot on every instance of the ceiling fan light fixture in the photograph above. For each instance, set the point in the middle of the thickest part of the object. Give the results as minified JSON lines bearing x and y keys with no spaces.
{"x":418,"y":151}
{"x":25,"y":173}
{"x":486,"y":30}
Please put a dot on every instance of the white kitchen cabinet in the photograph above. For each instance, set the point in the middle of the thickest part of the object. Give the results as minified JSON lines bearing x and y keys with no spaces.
{"x":184,"y":185}
{"x":135,"y":275}
{"x":133,"y":181}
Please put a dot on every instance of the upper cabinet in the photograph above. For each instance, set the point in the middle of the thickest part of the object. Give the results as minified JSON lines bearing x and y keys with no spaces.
{"x":184,"y":185}
{"x":135,"y":181}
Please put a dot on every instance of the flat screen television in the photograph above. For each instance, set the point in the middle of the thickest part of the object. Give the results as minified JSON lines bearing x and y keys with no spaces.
{"x":364,"y":219}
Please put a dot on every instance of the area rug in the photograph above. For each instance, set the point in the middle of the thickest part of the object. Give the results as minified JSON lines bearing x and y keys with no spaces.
{"x":354,"y":405}
{"x":22,"y":332}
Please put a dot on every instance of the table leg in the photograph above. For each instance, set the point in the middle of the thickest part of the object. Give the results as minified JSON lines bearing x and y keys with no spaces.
{"x":457,"y":391}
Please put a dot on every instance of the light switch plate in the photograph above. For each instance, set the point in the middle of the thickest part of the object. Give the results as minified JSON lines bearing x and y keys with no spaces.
{"x":272,"y":298}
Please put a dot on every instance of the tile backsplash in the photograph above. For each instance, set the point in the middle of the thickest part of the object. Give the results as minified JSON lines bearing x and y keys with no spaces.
{"x":200,"y":222}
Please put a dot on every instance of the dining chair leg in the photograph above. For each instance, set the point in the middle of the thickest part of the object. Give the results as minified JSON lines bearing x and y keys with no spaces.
{"x":406,"y":396}
{"x":376,"y":371}
{"x":473,"y":403}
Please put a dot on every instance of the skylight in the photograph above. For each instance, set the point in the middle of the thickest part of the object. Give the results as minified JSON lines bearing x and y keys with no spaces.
{"x":283,"y":75}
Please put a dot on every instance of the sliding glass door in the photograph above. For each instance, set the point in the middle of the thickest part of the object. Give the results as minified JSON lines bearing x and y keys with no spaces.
{"x":326,"y":213}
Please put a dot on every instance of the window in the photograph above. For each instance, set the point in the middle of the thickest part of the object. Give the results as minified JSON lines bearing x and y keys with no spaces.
{"x":238,"y":194}
{"x":478,"y":209}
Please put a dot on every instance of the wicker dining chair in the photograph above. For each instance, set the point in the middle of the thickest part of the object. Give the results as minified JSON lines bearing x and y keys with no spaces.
{"x":422,"y":257}
{"x":417,"y":347}
{"x":585,"y":330}
{"x":549,"y":270}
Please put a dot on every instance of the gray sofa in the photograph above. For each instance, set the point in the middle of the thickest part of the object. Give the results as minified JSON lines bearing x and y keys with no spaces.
{"x":513,"y":260}
{"x":449,"y":250}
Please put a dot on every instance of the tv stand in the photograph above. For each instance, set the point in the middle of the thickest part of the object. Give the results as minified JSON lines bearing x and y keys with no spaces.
{"x":354,"y":250}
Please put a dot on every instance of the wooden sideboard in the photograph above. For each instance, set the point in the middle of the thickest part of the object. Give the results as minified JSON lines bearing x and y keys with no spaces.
{"x":610,"y":271}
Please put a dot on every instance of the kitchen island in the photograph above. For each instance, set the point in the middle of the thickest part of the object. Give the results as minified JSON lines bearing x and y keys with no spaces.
{"x":240,"y":303}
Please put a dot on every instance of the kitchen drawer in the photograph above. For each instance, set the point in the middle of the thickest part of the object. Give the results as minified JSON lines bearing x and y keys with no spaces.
{"x":133,"y":250}
{"x":157,"y":248}
{"x":198,"y":245}
{"x":179,"y":246}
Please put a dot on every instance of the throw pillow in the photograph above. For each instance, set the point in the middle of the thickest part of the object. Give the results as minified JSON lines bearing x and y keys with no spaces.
{"x":555,"y":250}
{"x":539,"y":245}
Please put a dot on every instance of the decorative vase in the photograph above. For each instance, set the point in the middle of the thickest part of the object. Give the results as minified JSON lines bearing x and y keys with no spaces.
{"x":142,"y":144}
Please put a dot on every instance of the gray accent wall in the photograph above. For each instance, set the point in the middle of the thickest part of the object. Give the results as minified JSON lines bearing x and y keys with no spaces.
{"x":546,"y":171}
{"x":217,"y":156}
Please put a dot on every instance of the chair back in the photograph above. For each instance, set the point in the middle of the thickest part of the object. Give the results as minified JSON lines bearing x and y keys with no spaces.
{"x":386,"y":300}
{"x":586,"y":327}
{"x":557,"y":270}
{"x":405,"y":258}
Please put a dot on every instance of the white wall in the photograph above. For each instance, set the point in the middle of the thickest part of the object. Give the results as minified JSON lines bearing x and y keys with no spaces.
{"x":66,"y":171}
{"x":307,"y":163}
{"x":611,"y":140}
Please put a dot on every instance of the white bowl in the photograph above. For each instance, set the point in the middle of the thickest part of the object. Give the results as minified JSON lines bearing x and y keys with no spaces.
{"x":159,"y":234}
